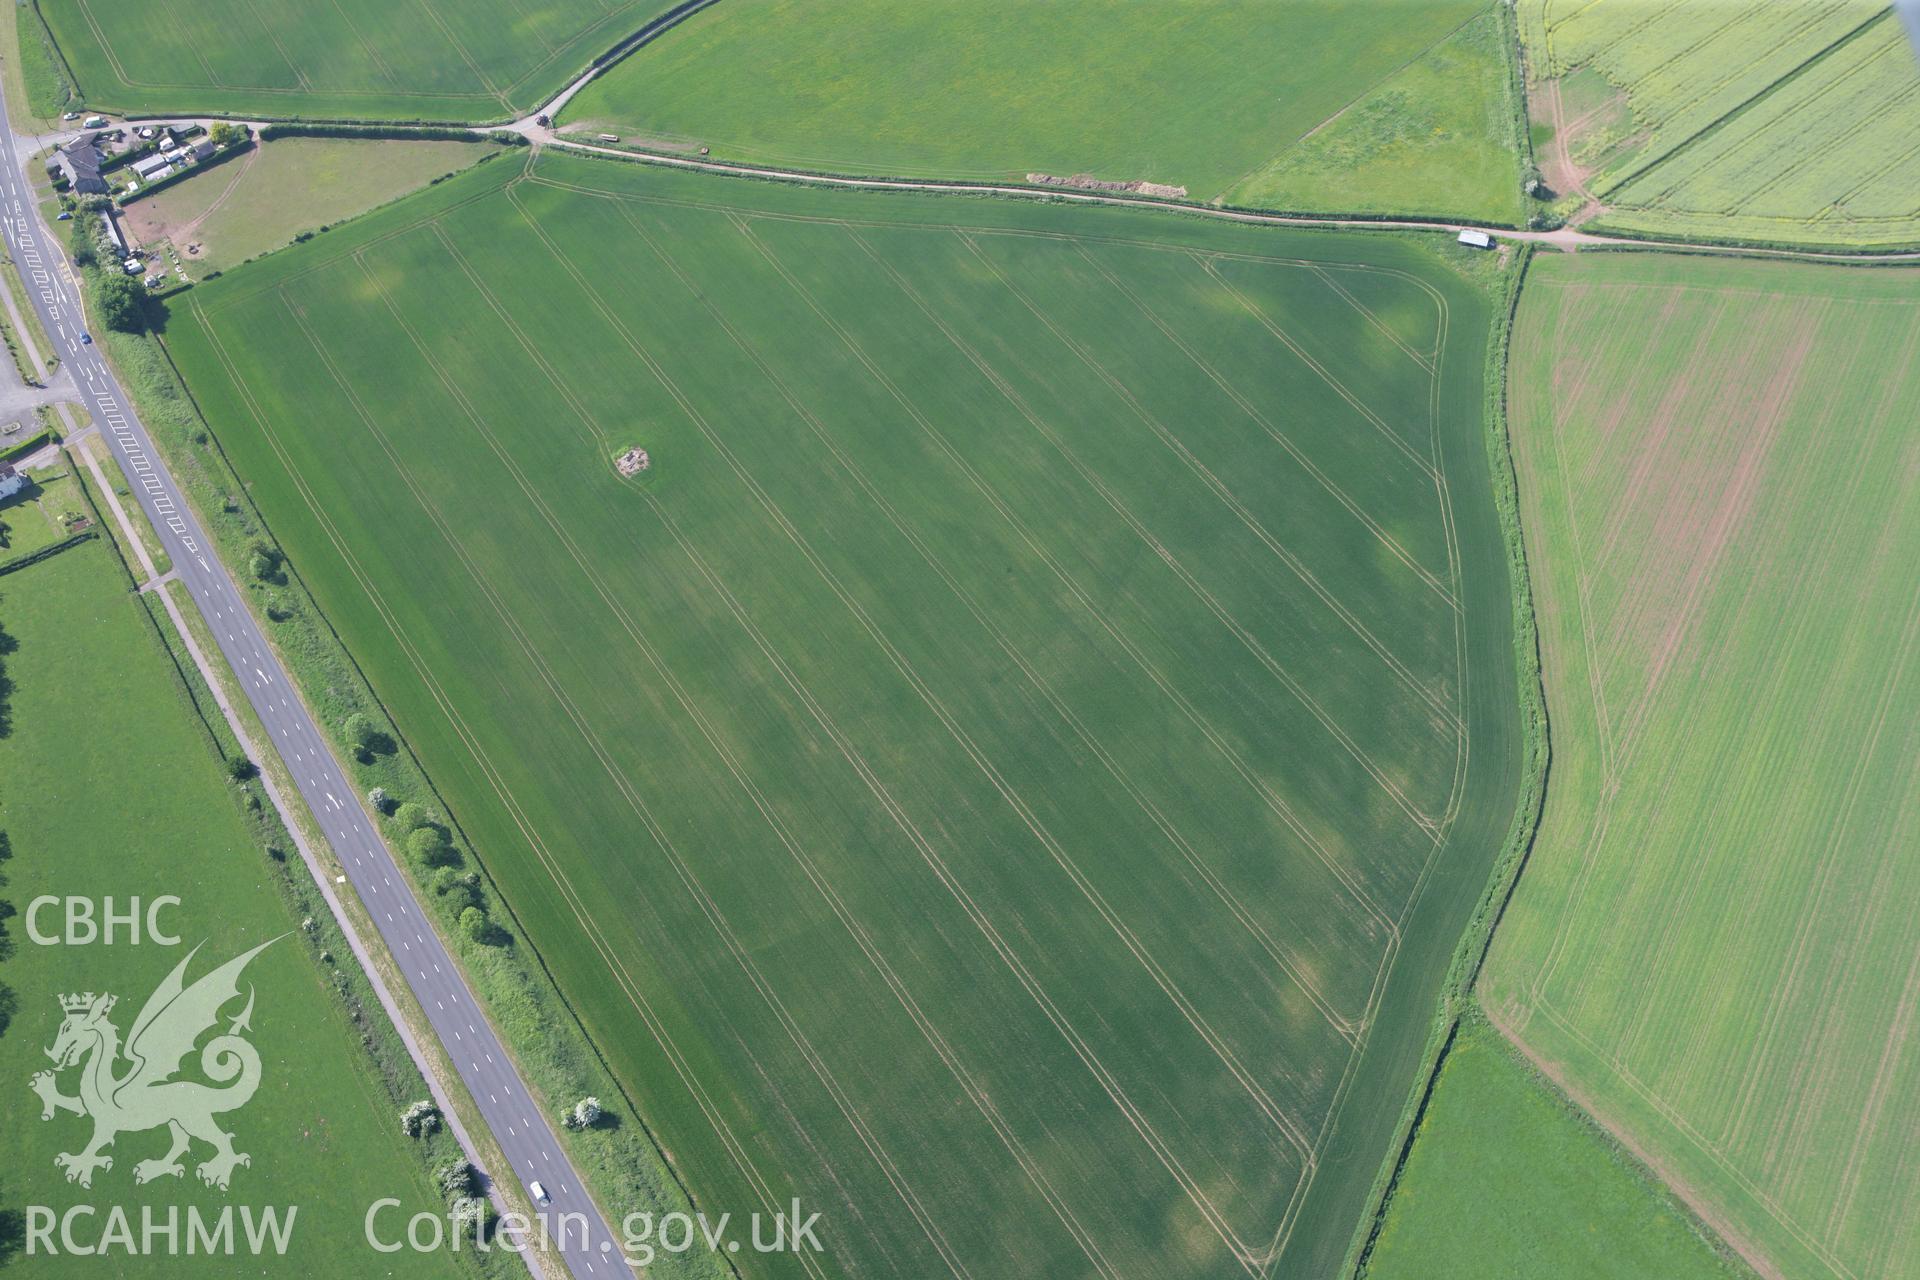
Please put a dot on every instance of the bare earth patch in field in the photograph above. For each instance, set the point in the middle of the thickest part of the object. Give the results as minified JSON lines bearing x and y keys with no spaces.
{"x":281,"y":189}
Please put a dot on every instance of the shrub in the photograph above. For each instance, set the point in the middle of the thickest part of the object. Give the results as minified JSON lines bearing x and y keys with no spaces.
{"x":240,"y":769}
{"x":420,"y":1119}
{"x":473,"y":1214}
{"x":377,"y":800}
{"x":458,"y":890}
{"x":458,"y":1179}
{"x":585,"y":1114}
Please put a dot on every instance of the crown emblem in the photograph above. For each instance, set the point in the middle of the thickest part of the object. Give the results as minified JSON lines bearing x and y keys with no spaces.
{"x":82,"y":1003}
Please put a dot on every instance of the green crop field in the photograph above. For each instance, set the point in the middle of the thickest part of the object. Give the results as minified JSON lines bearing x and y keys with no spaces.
{"x":475,"y":60}
{"x":1012,"y":774}
{"x":1313,"y":104}
{"x":1783,"y":120}
{"x":1506,"y":1180}
{"x":112,"y":789}
{"x":1714,"y":940}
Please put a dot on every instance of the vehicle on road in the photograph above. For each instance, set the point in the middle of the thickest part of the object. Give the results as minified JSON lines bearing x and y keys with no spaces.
{"x":86,"y":339}
{"x":539,"y":1192}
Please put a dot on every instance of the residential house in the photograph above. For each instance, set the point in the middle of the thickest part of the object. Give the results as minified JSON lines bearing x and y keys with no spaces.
{"x":79,"y":161}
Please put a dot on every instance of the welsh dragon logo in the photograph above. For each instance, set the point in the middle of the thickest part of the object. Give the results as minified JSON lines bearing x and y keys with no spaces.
{"x":145,"y":1094}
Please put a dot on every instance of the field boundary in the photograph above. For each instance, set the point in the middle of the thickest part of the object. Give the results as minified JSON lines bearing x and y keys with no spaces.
{"x":1457,"y":999}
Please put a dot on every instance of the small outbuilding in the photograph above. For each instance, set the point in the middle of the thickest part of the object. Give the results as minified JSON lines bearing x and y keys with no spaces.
{"x":1475,"y":239}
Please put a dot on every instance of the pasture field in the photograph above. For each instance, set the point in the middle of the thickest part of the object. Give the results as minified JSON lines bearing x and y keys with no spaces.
{"x":262,"y":200}
{"x":1312,"y":103}
{"x":131,"y":802}
{"x":1505,"y":1179}
{"x":1782,"y":120}
{"x":32,"y":519}
{"x":1714,"y":942}
{"x":1014,"y":772}
{"x":478,"y":60}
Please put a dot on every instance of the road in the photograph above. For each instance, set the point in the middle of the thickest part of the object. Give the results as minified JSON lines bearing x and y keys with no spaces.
{"x":522,"y":1131}
{"x":1568,"y":238}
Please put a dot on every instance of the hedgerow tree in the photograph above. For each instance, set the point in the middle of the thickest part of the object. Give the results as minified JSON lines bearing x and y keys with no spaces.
{"x":430,"y":848}
{"x":411,"y":817}
{"x":364,"y":734}
{"x":123,"y":302}
{"x":474,"y":923}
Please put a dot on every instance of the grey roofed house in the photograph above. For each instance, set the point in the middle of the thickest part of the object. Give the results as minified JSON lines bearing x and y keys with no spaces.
{"x":11,"y":481}
{"x":202,"y":149}
{"x":80,"y":161}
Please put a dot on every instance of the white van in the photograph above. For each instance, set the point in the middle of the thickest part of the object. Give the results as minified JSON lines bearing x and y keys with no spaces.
{"x":539,"y":1192}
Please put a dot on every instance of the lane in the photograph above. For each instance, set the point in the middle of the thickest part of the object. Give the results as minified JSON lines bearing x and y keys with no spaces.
{"x":582,"y":1236}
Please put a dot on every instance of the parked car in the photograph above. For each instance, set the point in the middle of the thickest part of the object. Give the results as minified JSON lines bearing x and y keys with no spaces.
{"x":65,"y":216}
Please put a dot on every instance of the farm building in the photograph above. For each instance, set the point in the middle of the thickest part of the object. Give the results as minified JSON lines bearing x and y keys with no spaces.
{"x":114,"y":233}
{"x":1476,"y":239}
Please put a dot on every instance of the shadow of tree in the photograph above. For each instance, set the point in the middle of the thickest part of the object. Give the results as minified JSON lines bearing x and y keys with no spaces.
{"x":7,"y":645}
